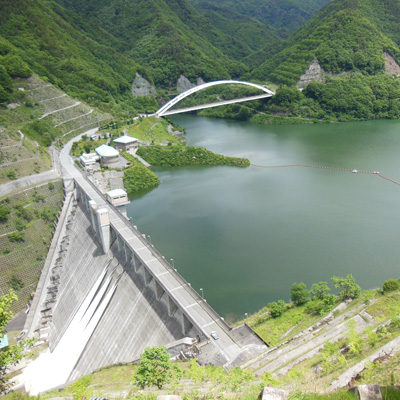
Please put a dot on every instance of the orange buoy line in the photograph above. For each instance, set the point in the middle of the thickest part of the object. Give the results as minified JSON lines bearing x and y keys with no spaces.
{"x":388,"y":179}
{"x":325,"y":167}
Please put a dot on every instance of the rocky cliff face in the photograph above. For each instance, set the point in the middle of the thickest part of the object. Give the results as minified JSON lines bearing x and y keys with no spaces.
{"x":313,"y":73}
{"x":142,"y":87}
{"x":183,"y":83}
{"x":391,"y":66}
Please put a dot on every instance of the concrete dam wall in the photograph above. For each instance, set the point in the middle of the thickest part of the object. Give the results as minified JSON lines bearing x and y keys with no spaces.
{"x":111,"y":295}
{"x":133,"y":318}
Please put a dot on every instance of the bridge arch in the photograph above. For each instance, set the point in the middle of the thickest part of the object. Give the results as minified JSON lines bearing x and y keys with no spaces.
{"x":195,"y":89}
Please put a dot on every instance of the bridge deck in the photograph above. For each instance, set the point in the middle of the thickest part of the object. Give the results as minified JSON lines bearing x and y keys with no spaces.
{"x":217,"y":104}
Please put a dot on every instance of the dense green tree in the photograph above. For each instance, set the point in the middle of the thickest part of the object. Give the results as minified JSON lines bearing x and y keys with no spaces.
{"x":319,"y":290}
{"x":277,"y":308}
{"x":156,"y":368}
{"x":5,"y":79}
{"x":16,"y":67}
{"x":299,"y":293}
{"x":4,"y":96}
{"x":347,"y":287}
{"x":286,"y":95}
{"x":9,"y":355}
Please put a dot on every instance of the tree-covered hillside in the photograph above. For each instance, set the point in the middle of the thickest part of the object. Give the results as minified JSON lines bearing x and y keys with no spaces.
{"x":78,"y":57}
{"x":169,"y":38}
{"x":284,"y":16}
{"x":342,"y":38}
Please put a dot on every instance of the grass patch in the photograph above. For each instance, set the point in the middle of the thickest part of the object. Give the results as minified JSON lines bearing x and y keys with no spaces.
{"x":386,"y":306}
{"x":272,"y":329}
{"x":186,"y":155}
{"x":153,"y":130}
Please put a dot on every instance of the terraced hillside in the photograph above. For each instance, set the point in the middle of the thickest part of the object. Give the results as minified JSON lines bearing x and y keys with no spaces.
{"x":356,"y":339}
{"x":25,"y":234}
{"x":20,"y":156}
{"x":67,"y":115}
{"x":39,"y":114}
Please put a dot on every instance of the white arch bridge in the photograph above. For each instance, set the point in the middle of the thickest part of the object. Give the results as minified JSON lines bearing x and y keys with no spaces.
{"x":165,"y":109}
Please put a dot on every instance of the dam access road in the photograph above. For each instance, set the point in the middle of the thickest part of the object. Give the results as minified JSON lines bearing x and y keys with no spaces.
{"x":113,"y":294}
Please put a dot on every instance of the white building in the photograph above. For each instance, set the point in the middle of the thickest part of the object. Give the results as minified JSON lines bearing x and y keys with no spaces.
{"x":88,"y":159}
{"x":108,"y":155}
{"x":119,"y":199}
{"x":126,"y":143}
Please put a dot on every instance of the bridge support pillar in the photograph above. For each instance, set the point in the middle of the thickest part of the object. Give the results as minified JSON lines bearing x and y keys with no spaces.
{"x":120,"y":244}
{"x":159,"y":290}
{"x":136,"y":263}
{"x":172,"y":307}
{"x":129,"y":257}
{"x":104,"y":225}
{"x":147,"y":276}
{"x":186,"y":325}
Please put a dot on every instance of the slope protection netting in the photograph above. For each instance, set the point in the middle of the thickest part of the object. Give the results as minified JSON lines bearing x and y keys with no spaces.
{"x":34,"y":212}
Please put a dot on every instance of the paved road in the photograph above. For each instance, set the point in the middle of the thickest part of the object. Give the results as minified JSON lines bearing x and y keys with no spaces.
{"x":28,"y":181}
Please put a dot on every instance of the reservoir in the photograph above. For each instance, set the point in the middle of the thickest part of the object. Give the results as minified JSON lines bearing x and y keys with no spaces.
{"x":244,"y":235}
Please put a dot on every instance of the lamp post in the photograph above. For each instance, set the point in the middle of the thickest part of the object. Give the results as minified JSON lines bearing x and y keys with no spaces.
{"x":173,"y":263}
{"x":246,"y":315}
{"x":202,"y":292}
{"x":149,"y":238}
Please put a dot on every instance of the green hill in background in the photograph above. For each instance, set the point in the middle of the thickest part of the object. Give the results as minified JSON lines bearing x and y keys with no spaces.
{"x":342,"y":37}
{"x":284,"y":16}
{"x":168,"y":38}
{"x":78,"y":57}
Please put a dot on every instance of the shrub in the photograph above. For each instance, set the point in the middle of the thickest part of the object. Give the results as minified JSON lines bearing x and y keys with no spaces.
{"x":4,"y":211}
{"x":15,"y":283}
{"x":11,"y":174}
{"x":390,"y":285}
{"x":277,"y":309}
{"x":16,"y":237}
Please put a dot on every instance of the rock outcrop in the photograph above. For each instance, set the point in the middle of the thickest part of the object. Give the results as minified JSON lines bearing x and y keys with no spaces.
{"x":142,"y":87}
{"x":391,"y":66}
{"x":313,"y":73}
{"x":183,"y":84}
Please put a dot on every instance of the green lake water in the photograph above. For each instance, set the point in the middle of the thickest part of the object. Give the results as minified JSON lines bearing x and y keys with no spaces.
{"x":245,"y":235}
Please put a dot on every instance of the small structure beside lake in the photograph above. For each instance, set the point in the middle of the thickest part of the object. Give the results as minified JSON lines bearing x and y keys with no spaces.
{"x":108,"y":155}
{"x":118,"y":198}
{"x":126,"y":143}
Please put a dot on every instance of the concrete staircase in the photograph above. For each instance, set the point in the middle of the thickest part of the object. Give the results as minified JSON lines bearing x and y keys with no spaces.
{"x":282,"y":358}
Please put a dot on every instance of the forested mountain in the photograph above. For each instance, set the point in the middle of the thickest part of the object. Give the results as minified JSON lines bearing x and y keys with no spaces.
{"x":94,"y":49}
{"x":169,"y":37}
{"x":78,"y":57}
{"x":345,"y":36}
{"x":285,"y":16}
